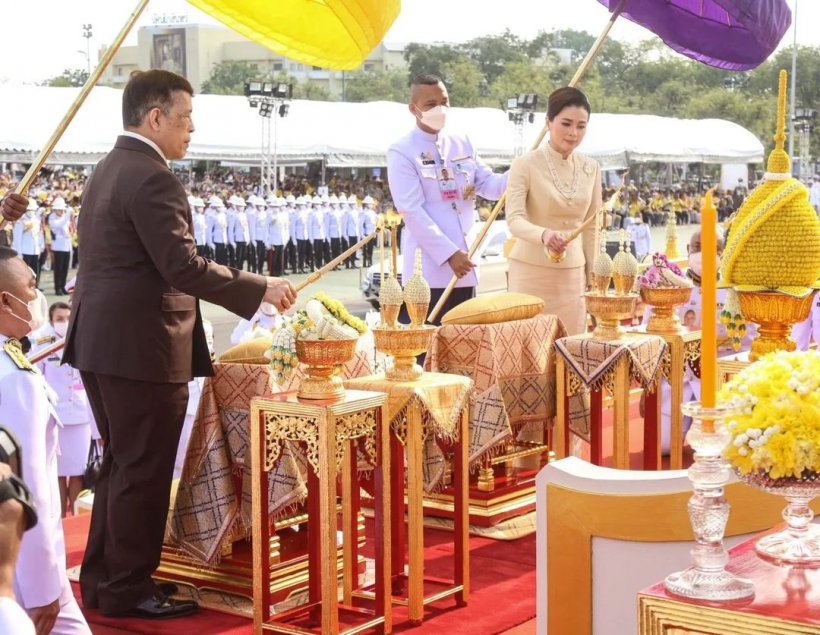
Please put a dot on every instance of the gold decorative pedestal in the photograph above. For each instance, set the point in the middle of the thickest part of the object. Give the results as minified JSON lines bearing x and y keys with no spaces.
{"x":331,"y":432}
{"x":609,"y":310}
{"x":775,"y":314}
{"x":403,"y":345}
{"x":664,"y":302}
{"x":322,"y":360}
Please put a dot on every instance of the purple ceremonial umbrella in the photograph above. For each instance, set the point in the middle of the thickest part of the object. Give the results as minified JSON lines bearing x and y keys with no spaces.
{"x":735,"y":35}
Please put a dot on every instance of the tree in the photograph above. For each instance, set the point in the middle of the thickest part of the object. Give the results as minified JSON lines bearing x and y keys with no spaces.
{"x":69,"y":77}
{"x":429,"y":58}
{"x":228,"y":78}
{"x":493,"y":52}
{"x":464,"y":80}
{"x":378,"y":85}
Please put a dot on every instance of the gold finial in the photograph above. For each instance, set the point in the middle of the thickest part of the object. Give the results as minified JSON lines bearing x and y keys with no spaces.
{"x":779,"y":160}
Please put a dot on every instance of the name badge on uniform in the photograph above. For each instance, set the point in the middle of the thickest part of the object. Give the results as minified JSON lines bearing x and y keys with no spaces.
{"x":427,"y":158}
{"x":447,"y":184}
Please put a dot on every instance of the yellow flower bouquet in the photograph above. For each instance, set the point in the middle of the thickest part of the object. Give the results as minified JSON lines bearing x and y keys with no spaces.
{"x":775,"y":444}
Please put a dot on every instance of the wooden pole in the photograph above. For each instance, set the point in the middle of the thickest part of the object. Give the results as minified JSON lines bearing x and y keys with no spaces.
{"x":35,"y":168}
{"x":590,"y":56}
{"x":336,"y":261}
{"x":40,"y":355}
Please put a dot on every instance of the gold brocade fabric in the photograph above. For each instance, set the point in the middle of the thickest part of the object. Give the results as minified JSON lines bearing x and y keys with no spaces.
{"x":592,"y":361}
{"x":512,"y":365}
{"x":439,"y":397}
{"x":213,"y":502}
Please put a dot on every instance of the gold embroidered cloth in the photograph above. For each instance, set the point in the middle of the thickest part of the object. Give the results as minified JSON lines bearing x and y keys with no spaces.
{"x":512,"y":365}
{"x":213,"y":502}
{"x":440,"y":399}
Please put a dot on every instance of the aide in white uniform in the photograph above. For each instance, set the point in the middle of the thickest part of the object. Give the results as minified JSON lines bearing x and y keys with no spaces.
{"x":266,"y":318}
{"x":434,"y":177}
{"x":40,"y":583}
{"x":809,"y":329}
{"x":72,"y":408}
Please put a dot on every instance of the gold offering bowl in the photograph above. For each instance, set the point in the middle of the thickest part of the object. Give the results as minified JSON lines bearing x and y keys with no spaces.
{"x":403,"y":345}
{"x":774,"y":313}
{"x":609,"y":310}
{"x":322,"y":360}
{"x":664,"y":302}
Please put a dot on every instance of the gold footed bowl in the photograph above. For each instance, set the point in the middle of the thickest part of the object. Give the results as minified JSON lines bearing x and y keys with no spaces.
{"x":417,"y":312}
{"x":600,"y":284}
{"x":664,"y":302}
{"x":623,"y":283}
{"x":608,"y":311}
{"x":404,"y":345}
{"x":774,"y":313}
{"x":799,"y":543}
{"x":323,"y":359}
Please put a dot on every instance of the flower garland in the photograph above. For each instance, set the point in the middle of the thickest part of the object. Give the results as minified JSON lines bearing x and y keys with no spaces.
{"x":776,"y":429}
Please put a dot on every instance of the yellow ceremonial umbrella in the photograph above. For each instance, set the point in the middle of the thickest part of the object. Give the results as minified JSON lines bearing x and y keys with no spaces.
{"x":335,"y":34}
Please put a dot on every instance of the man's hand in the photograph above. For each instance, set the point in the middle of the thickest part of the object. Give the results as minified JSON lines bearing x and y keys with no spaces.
{"x":13,"y":206}
{"x":280,"y":293}
{"x":44,"y":617}
{"x":460,"y":263}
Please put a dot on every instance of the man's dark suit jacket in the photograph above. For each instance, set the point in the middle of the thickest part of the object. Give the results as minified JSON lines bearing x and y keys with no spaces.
{"x":135,"y":311}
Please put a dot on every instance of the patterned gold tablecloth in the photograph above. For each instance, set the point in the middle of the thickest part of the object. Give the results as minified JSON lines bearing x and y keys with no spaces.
{"x":213,"y":501}
{"x":440,"y":398}
{"x":512,"y":365}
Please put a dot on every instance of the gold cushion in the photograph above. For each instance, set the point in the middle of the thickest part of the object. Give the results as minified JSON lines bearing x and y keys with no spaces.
{"x":250,"y":352}
{"x":492,"y":309}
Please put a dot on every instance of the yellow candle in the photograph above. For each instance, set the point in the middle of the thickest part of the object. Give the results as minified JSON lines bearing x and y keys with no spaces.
{"x":708,"y":345}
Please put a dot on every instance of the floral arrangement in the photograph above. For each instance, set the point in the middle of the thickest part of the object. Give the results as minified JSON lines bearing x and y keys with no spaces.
{"x":323,"y":318}
{"x":663,"y":273}
{"x":775,"y":430}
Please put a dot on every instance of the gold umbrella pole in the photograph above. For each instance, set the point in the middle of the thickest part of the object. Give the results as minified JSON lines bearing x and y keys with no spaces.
{"x":590,"y":56}
{"x":336,"y":261}
{"x":43,"y":353}
{"x":35,"y":168}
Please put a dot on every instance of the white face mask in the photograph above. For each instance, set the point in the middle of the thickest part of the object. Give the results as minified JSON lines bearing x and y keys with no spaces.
{"x":36,"y":309}
{"x":696,"y":263}
{"x":60,"y":328}
{"x":435,"y":118}
{"x":268,"y":309}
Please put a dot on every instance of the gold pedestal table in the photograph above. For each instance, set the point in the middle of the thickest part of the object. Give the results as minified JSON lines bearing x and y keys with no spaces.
{"x":606,"y":365}
{"x":682,"y":353}
{"x":431,"y":409}
{"x":330,"y":431}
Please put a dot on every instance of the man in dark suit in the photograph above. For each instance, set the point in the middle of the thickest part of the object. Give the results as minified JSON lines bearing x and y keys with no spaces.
{"x":136,"y":336}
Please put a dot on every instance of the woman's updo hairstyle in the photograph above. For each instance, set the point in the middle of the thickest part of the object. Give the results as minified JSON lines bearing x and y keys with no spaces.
{"x":565,"y":98}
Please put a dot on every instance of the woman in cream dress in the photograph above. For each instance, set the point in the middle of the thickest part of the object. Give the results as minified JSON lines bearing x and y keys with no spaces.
{"x":550,"y":192}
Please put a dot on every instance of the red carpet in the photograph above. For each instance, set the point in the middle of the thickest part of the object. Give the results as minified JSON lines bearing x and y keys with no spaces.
{"x":502,"y":591}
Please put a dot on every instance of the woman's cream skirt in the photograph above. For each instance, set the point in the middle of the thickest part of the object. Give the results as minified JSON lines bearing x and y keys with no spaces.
{"x":561,"y":289}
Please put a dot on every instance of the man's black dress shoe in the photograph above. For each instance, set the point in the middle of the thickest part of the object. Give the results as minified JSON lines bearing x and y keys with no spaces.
{"x":160,"y":607}
{"x":167,"y":588}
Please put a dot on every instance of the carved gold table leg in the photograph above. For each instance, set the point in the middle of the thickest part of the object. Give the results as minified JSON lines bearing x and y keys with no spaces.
{"x":350,"y":507}
{"x":327,"y":529}
{"x":486,"y":478}
{"x":562,"y":414}
{"x":620,"y":399}
{"x":461,"y":515}
{"x":415,"y":516}
{"x":677,"y":369}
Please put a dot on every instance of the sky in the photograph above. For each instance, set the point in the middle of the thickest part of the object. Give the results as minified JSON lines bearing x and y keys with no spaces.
{"x":43,"y":37}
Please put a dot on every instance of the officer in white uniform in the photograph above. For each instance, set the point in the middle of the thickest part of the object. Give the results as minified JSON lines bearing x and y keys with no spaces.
{"x":290,"y":248}
{"x":641,"y":236}
{"x":299,"y":233}
{"x":72,"y":408}
{"x":27,"y":237}
{"x":278,"y":236}
{"x":316,"y":231}
{"x":368,"y":226}
{"x":333,"y":227}
{"x":219,"y":231}
{"x":434,"y":177}
{"x":239,"y":231}
{"x":200,"y":225}
{"x":250,"y":250}
{"x":40,"y":583}
{"x":260,"y":231}
{"x":59,"y":221}
{"x":350,"y":226}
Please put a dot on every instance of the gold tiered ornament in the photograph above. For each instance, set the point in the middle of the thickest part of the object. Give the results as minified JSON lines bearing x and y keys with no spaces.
{"x":672,"y":251}
{"x":405,"y":342}
{"x":609,"y":309}
{"x":772,"y":255}
{"x":664,"y":287}
{"x":323,"y":337}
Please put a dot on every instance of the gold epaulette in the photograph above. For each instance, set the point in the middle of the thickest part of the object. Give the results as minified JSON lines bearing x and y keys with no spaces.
{"x":15,"y":351}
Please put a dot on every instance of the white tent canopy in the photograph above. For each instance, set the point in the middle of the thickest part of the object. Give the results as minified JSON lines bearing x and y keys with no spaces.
{"x":350,"y":134}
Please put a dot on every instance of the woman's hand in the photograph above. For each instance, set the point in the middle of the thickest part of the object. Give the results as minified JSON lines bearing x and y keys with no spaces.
{"x":556,"y":242}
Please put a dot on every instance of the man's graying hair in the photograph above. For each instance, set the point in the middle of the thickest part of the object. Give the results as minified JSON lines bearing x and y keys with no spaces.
{"x":147,"y":90}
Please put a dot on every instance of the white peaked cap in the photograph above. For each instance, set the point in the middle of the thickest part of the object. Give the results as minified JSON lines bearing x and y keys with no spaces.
{"x":59,"y":203}
{"x":291,"y":198}
{"x":316,"y":200}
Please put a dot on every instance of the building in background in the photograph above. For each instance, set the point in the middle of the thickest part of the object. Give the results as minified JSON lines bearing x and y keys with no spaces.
{"x":192,"y":50}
